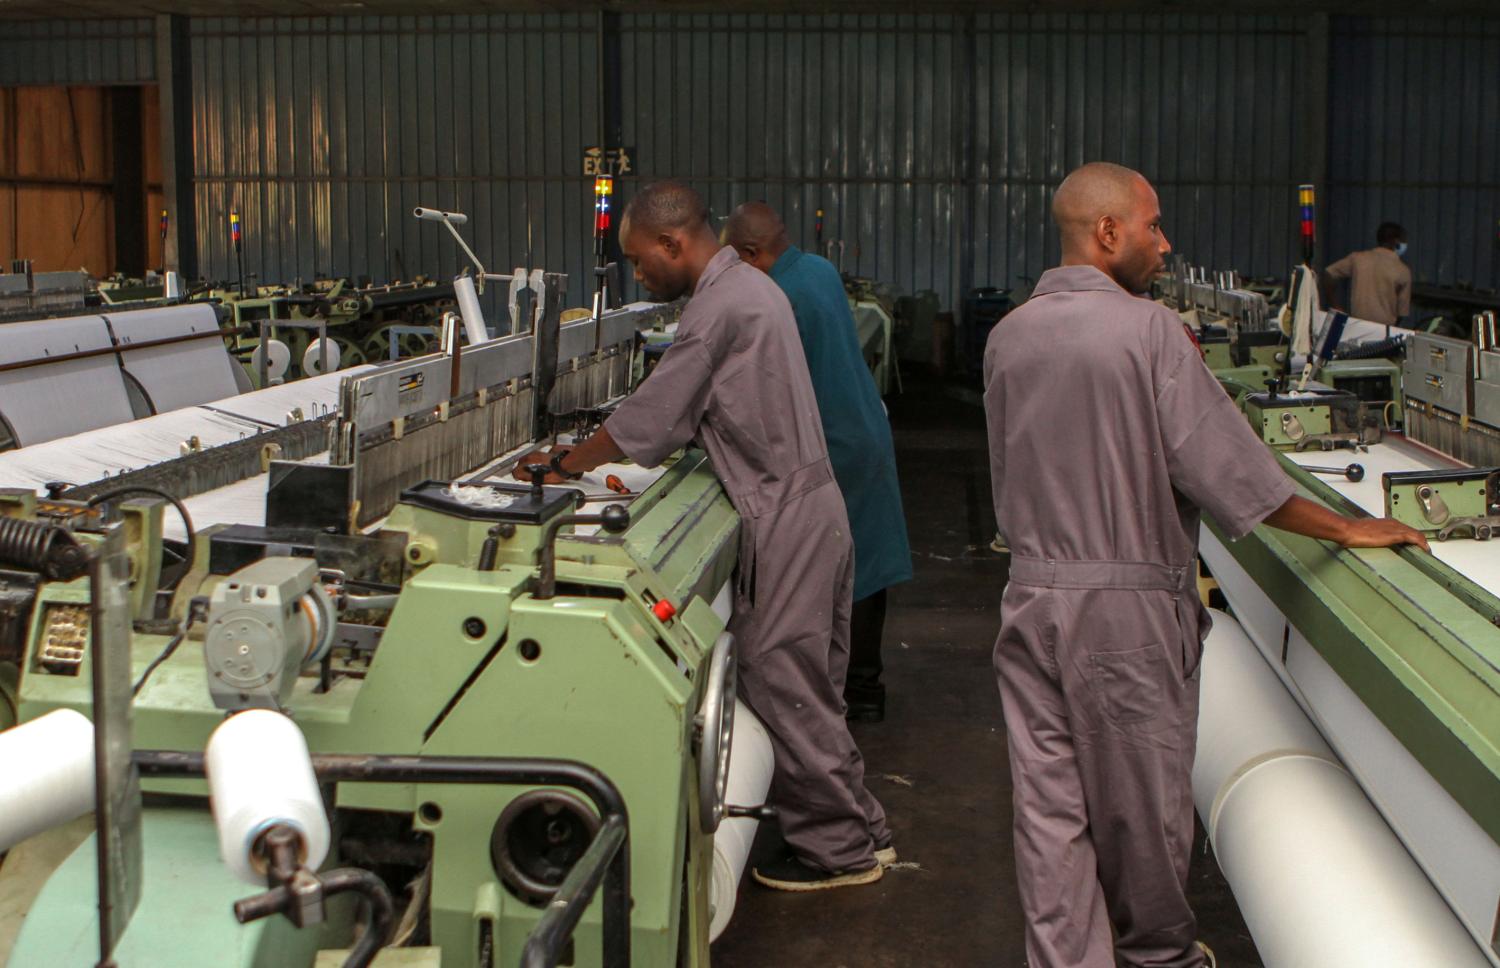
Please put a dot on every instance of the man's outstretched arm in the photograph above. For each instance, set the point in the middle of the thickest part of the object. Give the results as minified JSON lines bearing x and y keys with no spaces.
{"x":1301,"y":516}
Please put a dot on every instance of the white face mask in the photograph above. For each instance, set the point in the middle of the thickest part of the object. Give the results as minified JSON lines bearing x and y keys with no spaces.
{"x":1401,"y":248}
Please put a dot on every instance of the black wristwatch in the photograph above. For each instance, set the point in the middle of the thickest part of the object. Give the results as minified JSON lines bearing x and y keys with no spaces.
{"x":557,"y":468}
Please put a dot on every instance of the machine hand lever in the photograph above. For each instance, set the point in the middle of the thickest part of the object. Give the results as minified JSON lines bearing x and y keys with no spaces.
{"x":762,"y":812}
{"x":613,"y":519}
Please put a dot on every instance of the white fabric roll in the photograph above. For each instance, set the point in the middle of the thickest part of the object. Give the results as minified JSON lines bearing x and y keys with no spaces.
{"x":468,"y":307}
{"x":312,"y":357}
{"x":1318,"y":875}
{"x":48,"y":766}
{"x":750,"y":764}
{"x":1321,"y":880}
{"x":1246,"y":717}
{"x":260,"y":775}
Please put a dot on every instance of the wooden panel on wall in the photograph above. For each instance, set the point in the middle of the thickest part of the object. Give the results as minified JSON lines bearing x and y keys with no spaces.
{"x":56,"y":170}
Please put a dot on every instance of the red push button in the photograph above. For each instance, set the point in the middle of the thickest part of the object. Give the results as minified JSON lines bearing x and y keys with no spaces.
{"x":663,"y":610}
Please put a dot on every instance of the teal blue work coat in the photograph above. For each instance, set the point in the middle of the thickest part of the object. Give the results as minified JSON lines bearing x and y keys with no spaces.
{"x":854,"y":422}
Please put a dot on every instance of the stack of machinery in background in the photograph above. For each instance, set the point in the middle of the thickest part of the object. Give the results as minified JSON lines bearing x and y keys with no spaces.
{"x":25,"y":294}
{"x":1453,"y":392}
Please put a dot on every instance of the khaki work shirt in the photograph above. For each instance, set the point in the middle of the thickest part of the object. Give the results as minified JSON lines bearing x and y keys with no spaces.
{"x":1379,"y":284}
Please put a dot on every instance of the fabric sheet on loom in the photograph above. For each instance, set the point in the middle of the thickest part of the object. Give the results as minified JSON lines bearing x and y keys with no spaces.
{"x":95,"y":454}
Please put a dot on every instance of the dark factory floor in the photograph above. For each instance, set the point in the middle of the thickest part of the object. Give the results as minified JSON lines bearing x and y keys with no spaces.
{"x":938,"y":761}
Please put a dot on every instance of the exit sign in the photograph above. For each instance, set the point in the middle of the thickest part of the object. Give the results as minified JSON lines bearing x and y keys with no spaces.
{"x":609,"y":161}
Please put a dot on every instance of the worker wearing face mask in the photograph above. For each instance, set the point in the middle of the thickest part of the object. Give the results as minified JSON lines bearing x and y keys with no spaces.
{"x":1379,"y":282}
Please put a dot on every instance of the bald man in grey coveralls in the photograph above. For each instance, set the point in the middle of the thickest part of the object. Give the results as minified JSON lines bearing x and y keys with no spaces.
{"x":1107,"y":436}
{"x":736,"y":380}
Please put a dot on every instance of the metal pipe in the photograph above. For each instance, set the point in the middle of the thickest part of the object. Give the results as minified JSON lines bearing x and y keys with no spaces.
{"x":120,"y":348}
{"x":374,"y":891}
{"x":544,"y":946}
{"x":509,"y":771}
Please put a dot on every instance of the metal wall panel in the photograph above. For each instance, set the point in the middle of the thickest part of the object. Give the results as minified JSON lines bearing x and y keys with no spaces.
{"x":861,"y":116}
{"x":1414,"y":138}
{"x":325,"y":133}
{"x":77,"y":52}
{"x":1202,"y":105}
{"x":876,"y":120}
{"x":932,"y":142}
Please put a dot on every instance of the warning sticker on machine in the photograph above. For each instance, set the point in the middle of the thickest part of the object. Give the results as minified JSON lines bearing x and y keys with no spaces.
{"x":410,"y":386}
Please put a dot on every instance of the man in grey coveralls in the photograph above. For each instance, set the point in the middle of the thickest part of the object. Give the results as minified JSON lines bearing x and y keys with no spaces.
{"x":735,"y":379}
{"x":1107,"y":436}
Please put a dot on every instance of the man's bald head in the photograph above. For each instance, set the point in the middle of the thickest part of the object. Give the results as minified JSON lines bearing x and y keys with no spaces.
{"x":1109,"y":217}
{"x":757,"y":234}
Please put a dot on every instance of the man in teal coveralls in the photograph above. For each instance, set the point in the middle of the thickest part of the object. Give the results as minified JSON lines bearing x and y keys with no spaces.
{"x":859,"y":436}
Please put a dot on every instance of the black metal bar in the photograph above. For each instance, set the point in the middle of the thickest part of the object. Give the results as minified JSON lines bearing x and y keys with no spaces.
{"x":174,"y":70}
{"x":517,"y":771}
{"x":374,"y":891}
{"x":128,"y":186}
{"x":544,"y":946}
{"x":544,"y":358}
{"x":119,"y":348}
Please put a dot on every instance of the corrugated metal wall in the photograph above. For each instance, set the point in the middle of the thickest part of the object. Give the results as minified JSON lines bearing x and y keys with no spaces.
{"x":77,"y":52}
{"x":876,"y":120}
{"x":325,"y":134}
{"x":859,"y":116}
{"x":932,"y":142}
{"x":1415,"y":105}
{"x":1203,"y":106}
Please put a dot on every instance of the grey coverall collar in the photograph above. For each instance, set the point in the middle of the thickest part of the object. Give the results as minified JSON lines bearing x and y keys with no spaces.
{"x":1073,"y":279}
{"x":725,"y":258}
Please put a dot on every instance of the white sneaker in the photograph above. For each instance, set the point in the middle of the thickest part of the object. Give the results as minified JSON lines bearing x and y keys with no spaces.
{"x":886,"y":856}
{"x":998,"y":546}
{"x":1209,"y":961}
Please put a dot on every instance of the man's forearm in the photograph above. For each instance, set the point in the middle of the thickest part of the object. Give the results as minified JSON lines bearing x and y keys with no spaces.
{"x":600,"y":448}
{"x":1301,"y":516}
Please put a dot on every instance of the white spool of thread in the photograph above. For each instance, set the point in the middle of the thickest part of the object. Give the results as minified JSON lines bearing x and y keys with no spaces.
{"x":48,"y":765}
{"x":468,"y":307}
{"x":750,"y":765}
{"x":260,"y":775}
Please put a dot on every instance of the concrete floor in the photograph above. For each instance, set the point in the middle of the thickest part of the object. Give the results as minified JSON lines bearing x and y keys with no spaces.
{"x":938,"y":762}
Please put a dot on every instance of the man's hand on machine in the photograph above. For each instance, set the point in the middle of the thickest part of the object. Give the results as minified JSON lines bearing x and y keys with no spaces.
{"x":599,"y":448}
{"x":1382,"y":533}
{"x":1301,"y":516}
{"x":543,"y":457}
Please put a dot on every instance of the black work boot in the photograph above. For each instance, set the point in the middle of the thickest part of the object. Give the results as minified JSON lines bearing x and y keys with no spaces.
{"x":866,"y":702}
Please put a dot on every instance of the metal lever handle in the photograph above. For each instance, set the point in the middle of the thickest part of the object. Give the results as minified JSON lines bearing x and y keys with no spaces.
{"x":538,"y":474}
{"x":612,"y":519}
{"x":299,"y":894}
{"x":762,"y":812}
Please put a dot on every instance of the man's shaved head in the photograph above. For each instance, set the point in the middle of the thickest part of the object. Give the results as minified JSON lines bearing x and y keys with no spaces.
{"x":667,"y":206}
{"x":665,"y":234}
{"x":1109,"y":217}
{"x":757,"y":234}
{"x":1091,"y":192}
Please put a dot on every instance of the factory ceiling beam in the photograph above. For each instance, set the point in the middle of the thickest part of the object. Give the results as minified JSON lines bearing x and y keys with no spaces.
{"x":174,"y":71}
{"x":92,"y":9}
